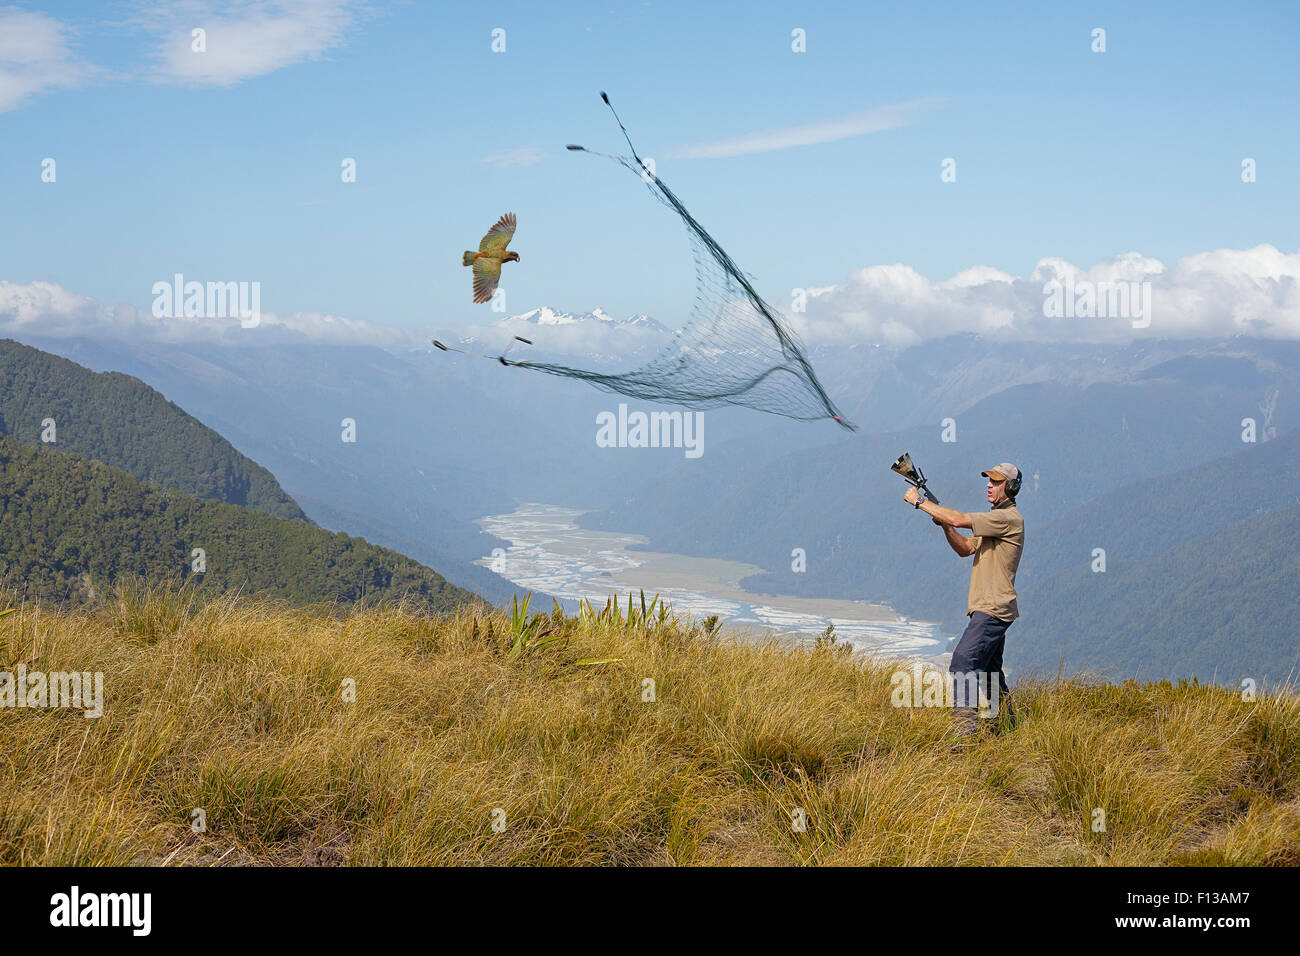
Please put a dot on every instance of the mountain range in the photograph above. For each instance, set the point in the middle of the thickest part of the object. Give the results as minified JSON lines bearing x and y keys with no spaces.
{"x":444,"y":439}
{"x":547,"y":316}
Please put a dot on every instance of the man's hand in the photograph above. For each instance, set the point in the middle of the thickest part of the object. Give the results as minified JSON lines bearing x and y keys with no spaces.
{"x":911,"y":495}
{"x":944,"y":517}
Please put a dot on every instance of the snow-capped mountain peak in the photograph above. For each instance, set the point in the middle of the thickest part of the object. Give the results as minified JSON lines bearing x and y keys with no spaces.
{"x":548,"y":316}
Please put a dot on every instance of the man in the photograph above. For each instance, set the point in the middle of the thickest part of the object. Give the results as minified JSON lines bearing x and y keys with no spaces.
{"x":997,"y":539}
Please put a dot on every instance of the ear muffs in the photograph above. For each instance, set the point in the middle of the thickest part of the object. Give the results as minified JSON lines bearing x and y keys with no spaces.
{"x":1013,"y":487}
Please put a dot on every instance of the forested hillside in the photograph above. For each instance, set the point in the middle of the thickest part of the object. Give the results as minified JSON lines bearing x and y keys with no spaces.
{"x":71,"y":527}
{"x":119,"y":420}
{"x":1222,"y":606}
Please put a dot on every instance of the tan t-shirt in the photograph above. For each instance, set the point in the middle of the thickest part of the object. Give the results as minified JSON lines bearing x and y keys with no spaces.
{"x":999,"y":537}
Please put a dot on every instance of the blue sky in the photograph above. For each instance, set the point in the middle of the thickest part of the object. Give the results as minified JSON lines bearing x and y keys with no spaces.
{"x":1060,"y":151}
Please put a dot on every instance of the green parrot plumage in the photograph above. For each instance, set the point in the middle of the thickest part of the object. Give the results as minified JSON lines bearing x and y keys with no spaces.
{"x":491,"y":254}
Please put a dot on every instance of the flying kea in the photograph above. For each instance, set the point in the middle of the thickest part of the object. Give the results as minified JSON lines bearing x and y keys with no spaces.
{"x":491,"y":253}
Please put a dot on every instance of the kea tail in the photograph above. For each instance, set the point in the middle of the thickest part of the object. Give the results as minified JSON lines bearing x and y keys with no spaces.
{"x":469,"y":258}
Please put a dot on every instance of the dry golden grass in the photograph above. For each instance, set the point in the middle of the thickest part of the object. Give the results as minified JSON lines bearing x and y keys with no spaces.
{"x":237,"y":708}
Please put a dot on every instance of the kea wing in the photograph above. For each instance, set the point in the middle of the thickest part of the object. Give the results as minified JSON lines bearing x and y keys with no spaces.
{"x":498,"y":237}
{"x":487,"y":272}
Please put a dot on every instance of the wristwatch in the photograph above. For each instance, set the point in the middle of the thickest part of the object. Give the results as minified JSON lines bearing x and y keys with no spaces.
{"x":917,"y":505}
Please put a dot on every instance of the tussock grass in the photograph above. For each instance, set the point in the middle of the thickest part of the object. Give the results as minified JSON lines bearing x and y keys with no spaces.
{"x":538,"y":723}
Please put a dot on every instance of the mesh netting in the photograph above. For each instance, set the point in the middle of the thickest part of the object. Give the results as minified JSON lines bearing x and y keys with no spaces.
{"x":735,"y":349}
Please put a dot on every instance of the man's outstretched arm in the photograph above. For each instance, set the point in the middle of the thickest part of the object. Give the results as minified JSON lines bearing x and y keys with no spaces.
{"x":959,"y":542}
{"x":947,"y":516}
{"x":949,"y":519}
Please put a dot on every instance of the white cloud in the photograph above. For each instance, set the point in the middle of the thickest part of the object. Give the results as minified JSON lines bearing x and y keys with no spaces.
{"x":519,"y":156}
{"x":35,"y":56}
{"x":1213,"y":294}
{"x":823,"y":131}
{"x":1210,"y":294}
{"x":48,"y":309}
{"x":244,"y":38}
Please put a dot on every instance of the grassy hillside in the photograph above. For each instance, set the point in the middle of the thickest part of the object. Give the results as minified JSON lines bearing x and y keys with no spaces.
{"x":119,"y":420}
{"x":71,"y":527}
{"x":237,"y":709}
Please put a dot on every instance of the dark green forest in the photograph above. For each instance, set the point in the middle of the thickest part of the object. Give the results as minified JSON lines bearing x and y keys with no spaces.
{"x":120,"y":421}
{"x":70,"y":528}
{"x":1227,"y":596}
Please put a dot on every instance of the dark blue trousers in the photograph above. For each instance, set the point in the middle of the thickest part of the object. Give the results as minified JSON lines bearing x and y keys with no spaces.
{"x":979,"y":652}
